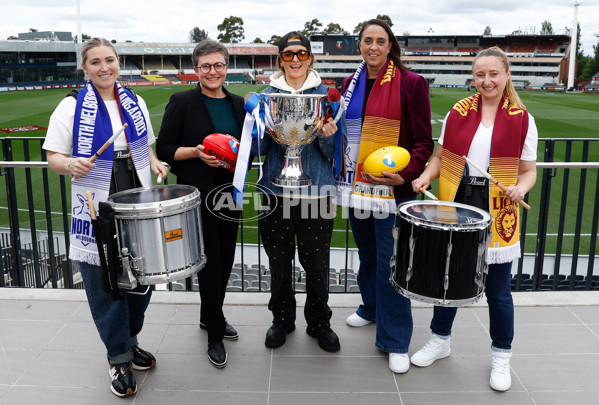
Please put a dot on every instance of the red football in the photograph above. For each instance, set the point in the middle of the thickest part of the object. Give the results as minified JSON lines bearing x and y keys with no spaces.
{"x":224,"y":148}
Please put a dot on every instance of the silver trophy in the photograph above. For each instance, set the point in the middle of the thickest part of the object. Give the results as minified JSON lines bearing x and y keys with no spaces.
{"x":295,"y":120}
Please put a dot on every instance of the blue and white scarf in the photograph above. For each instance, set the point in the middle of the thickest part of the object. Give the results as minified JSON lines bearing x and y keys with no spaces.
{"x":91,"y":129}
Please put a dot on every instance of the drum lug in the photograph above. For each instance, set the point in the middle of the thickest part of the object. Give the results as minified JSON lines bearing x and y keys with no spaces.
{"x":447,"y":263}
{"x":127,"y":279}
{"x":411,"y":262}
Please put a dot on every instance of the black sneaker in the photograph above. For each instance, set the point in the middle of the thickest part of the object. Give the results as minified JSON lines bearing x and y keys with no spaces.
{"x":230,"y":332}
{"x":142,"y":360}
{"x":123,"y":383}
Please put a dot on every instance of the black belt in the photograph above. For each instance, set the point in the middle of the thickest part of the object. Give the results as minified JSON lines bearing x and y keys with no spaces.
{"x":122,"y":154}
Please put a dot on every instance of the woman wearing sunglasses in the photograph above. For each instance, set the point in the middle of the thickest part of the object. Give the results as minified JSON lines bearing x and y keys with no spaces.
{"x":289,"y":220}
{"x":189,"y":117}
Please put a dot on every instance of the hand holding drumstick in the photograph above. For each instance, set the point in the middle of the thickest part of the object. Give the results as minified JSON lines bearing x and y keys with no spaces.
{"x":103,"y":148}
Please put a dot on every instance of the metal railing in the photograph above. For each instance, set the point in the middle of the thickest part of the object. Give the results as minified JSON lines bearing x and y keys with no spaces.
{"x":34,"y":248}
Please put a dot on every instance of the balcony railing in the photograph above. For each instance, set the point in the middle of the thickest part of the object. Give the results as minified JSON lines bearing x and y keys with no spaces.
{"x":558,"y":235}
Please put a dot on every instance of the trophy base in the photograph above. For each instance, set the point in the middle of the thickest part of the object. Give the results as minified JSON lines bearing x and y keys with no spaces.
{"x":291,"y":183}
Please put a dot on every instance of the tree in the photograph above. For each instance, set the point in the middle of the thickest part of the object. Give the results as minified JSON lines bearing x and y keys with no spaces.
{"x":12,"y":37}
{"x":231,"y":30}
{"x":257,"y":40}
{"x":383,"y":17}
{"x":358,"y":28}
{"x":196,"y":35}
{"x":83,"y":37}
{"x":487,"y":30}
{"x":312,"y":27}
{"x":334,"y":28}
{"x":274,"y":40}
{"x":546,"y":28}
{"x":386,"y":19}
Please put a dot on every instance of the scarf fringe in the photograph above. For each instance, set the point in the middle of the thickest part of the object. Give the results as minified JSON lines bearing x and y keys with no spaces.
{"x":84,"y":256}
{"x":366,"y":203}
{"x":503,"y":254}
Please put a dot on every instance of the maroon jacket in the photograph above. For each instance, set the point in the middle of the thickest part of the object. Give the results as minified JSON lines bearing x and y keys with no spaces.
{"x":415,"y":133}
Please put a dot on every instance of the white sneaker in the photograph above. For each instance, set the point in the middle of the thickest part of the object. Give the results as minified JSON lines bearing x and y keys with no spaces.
{"x":399,"y":362}
{"x":435,"y":349}
{"x":500,"y":372}
{"x":356,"y":320}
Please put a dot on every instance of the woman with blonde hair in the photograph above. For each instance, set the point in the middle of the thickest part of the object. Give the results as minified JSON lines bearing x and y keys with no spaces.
{"x":79,"y":126}
{"x":494,"y":130}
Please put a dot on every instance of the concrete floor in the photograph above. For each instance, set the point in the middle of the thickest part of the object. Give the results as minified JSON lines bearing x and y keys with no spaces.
{"x":50,"y":353}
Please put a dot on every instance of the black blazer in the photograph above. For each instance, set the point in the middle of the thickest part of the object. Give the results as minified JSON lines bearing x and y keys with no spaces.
{"x":186,"y":123}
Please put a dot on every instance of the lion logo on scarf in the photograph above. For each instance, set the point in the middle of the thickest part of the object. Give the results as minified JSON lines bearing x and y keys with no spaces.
{"x":506,"y":222}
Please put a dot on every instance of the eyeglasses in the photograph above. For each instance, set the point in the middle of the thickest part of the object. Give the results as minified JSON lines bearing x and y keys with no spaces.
{"x":205,"y":68}
{"x":287,"y":56}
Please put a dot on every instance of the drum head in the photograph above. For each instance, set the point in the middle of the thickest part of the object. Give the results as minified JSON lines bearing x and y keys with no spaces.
{"x":444,"y":215}
{"x":157,"y":199}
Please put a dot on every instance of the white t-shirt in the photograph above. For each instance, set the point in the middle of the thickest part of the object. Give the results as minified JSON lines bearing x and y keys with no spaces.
{"x":480,"y":148}
{"x":59,"y":137}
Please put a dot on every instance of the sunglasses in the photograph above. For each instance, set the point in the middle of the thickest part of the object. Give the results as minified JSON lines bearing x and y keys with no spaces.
{"x":287,"y":56}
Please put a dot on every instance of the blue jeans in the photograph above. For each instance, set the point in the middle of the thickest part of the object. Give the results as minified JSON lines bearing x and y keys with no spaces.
{"x":501,"y":309}
{"x":118,"y":322}
{"x":381,"y":303}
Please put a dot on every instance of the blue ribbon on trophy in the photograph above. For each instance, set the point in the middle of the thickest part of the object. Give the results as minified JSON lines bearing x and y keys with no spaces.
{"x":253,"y":128}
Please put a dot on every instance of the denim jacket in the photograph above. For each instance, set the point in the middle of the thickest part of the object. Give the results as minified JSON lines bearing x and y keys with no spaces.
{"x":315,"y":156}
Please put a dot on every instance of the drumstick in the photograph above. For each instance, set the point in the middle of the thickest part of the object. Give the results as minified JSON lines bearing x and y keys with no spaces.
{"x":428,"y":194}
{"x":106,"y":145}
{"x":90,"y":202}
{"x":159,"y":179}
{"x":492,"y":179}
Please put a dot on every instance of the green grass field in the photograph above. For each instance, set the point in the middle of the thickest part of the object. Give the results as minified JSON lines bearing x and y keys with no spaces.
{"x":557,"y":115}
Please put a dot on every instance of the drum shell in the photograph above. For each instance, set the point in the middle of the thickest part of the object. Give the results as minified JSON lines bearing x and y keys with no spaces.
{"x":427,"y":281}
{"x":161,"y":229}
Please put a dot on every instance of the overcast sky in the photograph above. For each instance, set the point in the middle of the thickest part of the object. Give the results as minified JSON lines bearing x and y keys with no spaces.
{"x":171,"y":20}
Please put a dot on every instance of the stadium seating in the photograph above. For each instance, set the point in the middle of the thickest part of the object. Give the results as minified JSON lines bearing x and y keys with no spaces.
{"x":547,"y":47}
{"x":188,"y":78}
{"x":521,"y":48}
{"x":154,"y":78}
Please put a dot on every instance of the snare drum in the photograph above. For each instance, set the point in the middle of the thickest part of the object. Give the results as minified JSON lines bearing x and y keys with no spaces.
{"x":440,"y":252}
{"x":159,"y":234}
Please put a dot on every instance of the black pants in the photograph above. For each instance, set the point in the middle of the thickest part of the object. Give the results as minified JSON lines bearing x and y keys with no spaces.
{"x":220,"y":238}
{"x":279,"y":231}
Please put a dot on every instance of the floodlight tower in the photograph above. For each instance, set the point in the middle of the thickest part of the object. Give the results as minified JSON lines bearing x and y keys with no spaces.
{"x":79,"y":39}
{"x":573,"y":46}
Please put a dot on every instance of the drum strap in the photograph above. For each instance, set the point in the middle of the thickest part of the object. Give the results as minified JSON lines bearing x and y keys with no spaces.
{"x":473,"y":191}
{"x":124,"y":176}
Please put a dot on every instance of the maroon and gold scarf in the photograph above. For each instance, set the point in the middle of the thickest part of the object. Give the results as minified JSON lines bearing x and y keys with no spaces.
{"x":509,"y":132}
{"x":381,"y":126}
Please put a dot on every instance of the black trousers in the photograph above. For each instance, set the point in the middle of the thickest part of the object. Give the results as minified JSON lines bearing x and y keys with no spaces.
{"x":220,"y":238}
{"x":279,"y":231}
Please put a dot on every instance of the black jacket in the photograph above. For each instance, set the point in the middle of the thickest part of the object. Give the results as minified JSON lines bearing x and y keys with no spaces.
{"x":186,"y":123}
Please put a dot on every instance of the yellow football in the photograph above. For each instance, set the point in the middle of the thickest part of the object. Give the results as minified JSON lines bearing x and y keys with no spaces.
{"x":390,"y":159}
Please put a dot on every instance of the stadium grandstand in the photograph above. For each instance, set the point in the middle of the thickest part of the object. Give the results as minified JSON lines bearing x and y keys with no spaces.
{"x":538,"y":61}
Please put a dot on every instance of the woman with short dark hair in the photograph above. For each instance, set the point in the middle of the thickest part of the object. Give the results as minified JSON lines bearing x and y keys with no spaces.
{"x":189,"y":117}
